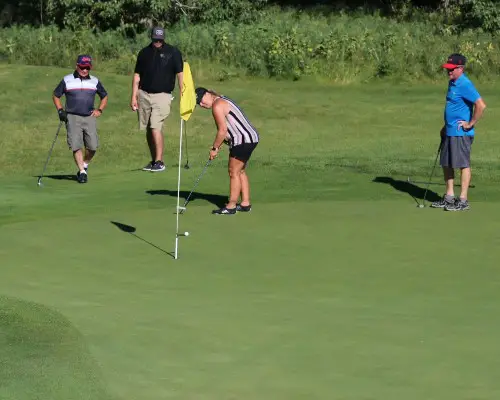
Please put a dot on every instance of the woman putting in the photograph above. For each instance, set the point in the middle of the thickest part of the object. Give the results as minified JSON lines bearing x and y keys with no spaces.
{"x":233,"y":128}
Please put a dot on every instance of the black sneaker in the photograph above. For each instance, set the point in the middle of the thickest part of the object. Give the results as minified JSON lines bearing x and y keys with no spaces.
{"x":241,"y":208}
{"x":442,"y":203}
{"x":458,"y":205}
{"x":81,"y":177}
{"x":158,"y":166}
{"x":149,"y":166}
{"x":225,"y":211}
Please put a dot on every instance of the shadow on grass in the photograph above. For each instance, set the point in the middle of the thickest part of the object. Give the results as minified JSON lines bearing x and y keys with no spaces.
{"x":216,"y":199}
{"x":61,"y":177}
{"x":416,"y":192}
{"x":131,"y":230}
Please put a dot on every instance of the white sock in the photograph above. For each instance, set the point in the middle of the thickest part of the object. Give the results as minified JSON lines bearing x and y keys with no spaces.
{"x":85,"y":165}
{"x":83,"y":172}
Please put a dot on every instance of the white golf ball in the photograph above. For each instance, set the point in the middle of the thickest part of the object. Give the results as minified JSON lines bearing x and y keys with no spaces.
{"x":186,"y":233}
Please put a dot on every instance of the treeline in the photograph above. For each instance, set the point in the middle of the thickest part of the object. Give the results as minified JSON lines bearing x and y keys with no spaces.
{"x":134,"y":16}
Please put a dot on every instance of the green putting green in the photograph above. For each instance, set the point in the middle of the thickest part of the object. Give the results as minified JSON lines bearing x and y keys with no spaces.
{"x":335,"y":286}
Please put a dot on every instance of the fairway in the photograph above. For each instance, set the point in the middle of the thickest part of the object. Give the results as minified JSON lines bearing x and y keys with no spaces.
{"x":335,"y":286}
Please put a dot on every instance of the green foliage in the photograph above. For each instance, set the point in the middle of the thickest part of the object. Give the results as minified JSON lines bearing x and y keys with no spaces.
{"x":279,"y":44}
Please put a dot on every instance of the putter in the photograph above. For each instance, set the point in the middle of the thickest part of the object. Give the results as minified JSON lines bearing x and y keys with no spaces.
{"x":39,"y":183}
{"x":186,"y":146}
{"x":183,"y":208}
{"x":409,"y":180}
{"x":432,"y":174}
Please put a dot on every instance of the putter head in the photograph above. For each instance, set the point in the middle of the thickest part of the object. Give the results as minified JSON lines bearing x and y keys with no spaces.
{"x":186,"y":166}
{"x":39,"y":182}
{"x":180,"y":210}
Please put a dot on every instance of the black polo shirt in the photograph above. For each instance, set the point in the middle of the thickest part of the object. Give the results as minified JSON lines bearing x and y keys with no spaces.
{"x":158,"y":68}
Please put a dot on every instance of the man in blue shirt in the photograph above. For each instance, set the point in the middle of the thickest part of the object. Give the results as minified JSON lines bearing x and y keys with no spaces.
{"x":464,"y":107}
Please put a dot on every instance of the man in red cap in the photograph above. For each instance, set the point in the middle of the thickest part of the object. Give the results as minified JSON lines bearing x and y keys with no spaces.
{"x":80,"y":114}
{"x":464,"y":107}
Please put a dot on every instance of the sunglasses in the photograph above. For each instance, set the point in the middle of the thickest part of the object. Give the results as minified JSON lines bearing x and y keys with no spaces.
{"x":84,"y":68}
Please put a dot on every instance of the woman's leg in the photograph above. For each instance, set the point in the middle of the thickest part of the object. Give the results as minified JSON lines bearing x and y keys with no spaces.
{"x":234,"y":169}
{"x":245,"y":188}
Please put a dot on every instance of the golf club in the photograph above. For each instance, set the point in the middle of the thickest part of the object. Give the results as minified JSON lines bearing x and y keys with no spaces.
{"x":183,"y":208}
{"x":186,"y":146}
{"x":432,"y":174}
{"x":409,"y":180}
{"x":39,"y":183}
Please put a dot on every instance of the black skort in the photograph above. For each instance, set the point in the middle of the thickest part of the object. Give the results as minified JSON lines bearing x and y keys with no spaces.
{"x":455,"y":151}
{"x":243,"y":151}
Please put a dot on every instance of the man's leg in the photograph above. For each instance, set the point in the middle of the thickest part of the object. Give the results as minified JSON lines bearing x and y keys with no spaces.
{"x":78,"y":156}
{"x":90,"y":139}
{"x":160,"y":110}
{"x":89,"y":155}
{"x":466,"y":177}
{"x":151,"y":143}
{"x":235,"y":186}
{"x":157,"y":144}
{"x":245,"y":189}
{"x":449,"y":176}
{"x":144,"y":114}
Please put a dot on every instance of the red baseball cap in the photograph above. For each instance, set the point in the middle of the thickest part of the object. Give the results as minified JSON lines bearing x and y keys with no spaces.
{"x":454,"y":61}
{"x":84,"y":60}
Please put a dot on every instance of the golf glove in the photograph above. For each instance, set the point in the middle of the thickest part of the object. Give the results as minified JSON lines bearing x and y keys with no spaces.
{"x":63,"y":117}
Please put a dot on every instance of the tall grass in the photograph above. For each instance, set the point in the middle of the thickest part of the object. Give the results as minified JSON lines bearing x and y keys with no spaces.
{"x":344,"y":48}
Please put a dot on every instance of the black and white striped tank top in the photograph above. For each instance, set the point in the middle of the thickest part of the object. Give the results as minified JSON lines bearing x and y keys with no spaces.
{"x":239,"y":128}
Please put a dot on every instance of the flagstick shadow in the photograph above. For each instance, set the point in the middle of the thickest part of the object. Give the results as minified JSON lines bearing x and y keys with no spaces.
{"x":131,"y":230}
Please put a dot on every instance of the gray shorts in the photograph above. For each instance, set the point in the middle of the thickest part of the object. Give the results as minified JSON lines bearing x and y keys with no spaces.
{"x":82,"y":132}
{"x":455,"y":151}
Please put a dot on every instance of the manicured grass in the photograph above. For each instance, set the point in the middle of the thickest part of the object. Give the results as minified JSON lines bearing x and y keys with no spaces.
{"x":335,"y":286}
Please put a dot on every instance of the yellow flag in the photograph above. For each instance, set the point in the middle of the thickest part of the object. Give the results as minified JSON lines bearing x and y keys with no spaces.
{"x":188,"y":98}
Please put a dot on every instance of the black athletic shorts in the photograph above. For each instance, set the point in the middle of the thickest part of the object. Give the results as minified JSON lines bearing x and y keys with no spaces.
{"x":243,"y":151}
{"x":455,"y":151}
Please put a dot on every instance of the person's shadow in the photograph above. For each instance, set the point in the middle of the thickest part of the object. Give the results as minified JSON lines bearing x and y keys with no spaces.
{"x":216,"y":199}
{"x":416,"y":192}
{"x":131,"y":230}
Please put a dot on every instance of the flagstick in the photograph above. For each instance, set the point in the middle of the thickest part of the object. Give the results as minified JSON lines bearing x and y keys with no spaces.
{"x":178,"y":191}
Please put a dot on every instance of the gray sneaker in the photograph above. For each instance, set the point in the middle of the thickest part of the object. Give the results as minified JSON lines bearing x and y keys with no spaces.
{"x":148,"y":167}
{"x":443,"y":203}
{"x":158,"y":166}
{"x":458,"y":205}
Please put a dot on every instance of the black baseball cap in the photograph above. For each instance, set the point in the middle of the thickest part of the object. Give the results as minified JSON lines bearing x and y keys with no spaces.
{"x":158,"y":33}
{"x":200,"y":92}
{"x":455,"y":60}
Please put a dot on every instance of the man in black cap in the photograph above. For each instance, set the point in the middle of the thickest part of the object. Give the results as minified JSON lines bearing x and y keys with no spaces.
{"x":80,"y":114}
{"x":464,"y":107}
{"x":156,"y":68}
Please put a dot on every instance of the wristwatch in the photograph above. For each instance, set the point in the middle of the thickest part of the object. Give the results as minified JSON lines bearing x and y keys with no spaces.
{"x":99,"y":110}
{"x":214,"y":149}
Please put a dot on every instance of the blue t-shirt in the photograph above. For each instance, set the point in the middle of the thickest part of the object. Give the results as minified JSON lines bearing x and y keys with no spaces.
{"x":460,"y":101}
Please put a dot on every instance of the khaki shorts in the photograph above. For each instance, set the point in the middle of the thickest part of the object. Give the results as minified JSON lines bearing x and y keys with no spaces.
{"x":82,"y":132}
{"x":154,"y":108}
